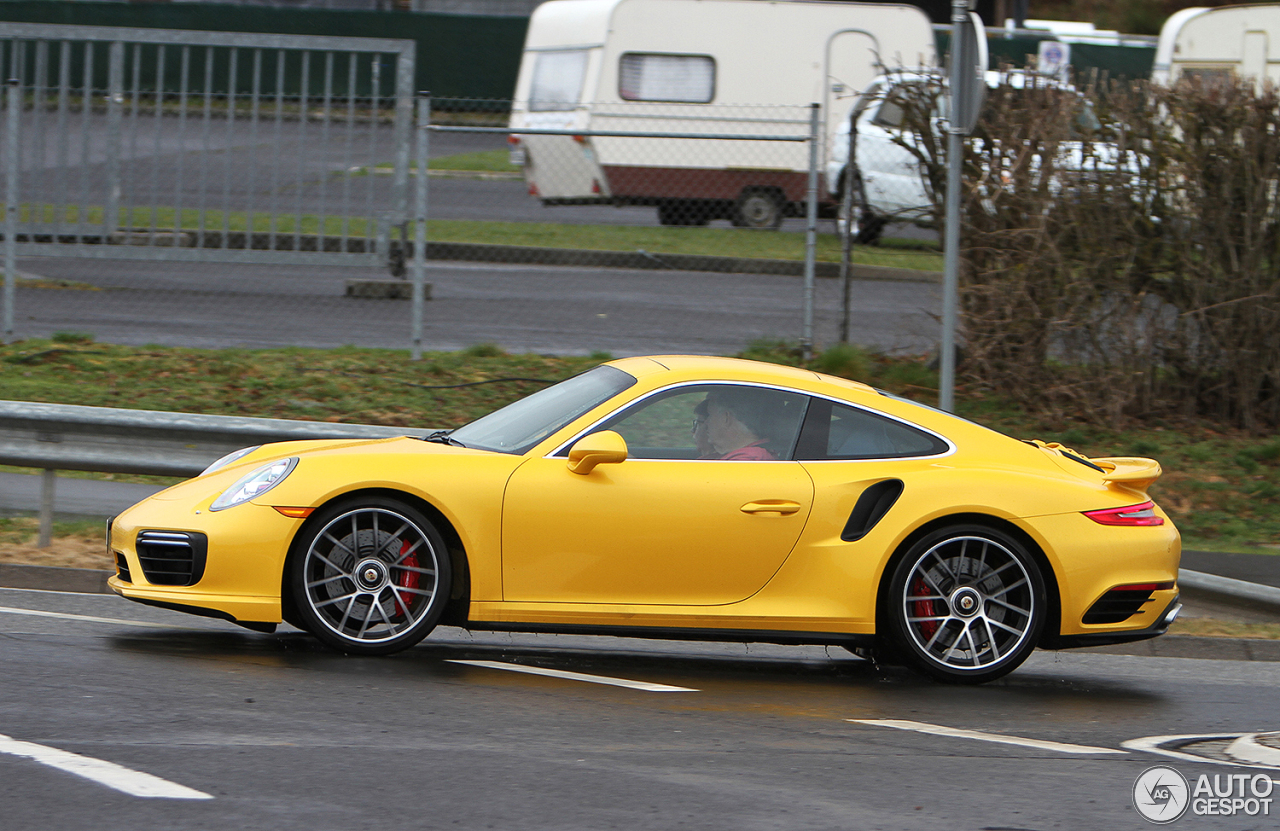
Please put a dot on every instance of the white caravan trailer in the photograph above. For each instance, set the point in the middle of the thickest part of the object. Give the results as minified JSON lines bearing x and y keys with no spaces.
{"x":1220,"y":42}
{"x":726,"y":67}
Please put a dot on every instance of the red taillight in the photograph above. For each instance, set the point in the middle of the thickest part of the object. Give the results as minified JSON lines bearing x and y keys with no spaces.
{"x":513,"y":139}
{"x":1144,"y":514}
{"x":533,"y":190}
{"x":1145,"y":587}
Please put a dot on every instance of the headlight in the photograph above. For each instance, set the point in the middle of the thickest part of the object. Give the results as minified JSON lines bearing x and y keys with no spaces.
{"x":255,"y":484}
{"x":229,"y":458}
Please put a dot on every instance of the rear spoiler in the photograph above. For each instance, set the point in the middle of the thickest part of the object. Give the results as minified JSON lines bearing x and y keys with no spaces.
{"x":1131,"y":472}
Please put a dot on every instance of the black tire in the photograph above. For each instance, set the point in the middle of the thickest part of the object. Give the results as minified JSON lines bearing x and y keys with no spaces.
{"x":759,"y":209}
{"x":965,"y":604}
{"x":870,"y":228}
{"x":369,"y":576}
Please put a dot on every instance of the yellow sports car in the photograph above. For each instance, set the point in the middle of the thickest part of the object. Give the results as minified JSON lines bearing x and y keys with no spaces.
{"x":676,"y":497}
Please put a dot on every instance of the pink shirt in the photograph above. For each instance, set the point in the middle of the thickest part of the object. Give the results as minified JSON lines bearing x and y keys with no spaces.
{"x":750,"y":453}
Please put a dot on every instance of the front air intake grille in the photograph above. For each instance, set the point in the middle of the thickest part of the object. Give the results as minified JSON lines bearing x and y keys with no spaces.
{"x":1117,"y":605}
{"x":122,"y":568}
{"x":172,"y":558}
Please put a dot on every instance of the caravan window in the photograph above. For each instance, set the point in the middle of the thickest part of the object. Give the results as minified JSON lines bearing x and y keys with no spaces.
{"x":557,"y":80}
{"x":684,"y":78}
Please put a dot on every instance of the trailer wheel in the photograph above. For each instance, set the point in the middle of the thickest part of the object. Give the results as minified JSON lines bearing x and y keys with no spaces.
{"x":758,"y":208}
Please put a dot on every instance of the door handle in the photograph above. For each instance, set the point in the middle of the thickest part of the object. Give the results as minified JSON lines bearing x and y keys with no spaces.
{"x":782,"y":507}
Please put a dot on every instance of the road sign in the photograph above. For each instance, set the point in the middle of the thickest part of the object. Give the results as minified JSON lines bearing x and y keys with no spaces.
{"x":968,"y":84}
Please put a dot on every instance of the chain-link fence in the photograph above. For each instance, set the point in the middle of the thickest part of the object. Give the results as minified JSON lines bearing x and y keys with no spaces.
{"x":184,"y":195}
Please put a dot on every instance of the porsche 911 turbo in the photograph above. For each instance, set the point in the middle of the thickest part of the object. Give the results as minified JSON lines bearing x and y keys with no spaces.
{"x":676,"y":497}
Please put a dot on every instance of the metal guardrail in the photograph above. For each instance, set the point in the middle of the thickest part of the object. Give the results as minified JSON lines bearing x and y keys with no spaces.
{"x":1227,"y":589}
{"x":106,"y":440}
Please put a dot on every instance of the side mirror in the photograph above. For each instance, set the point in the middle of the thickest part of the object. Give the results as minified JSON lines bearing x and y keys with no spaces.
{"x":603,"y":448}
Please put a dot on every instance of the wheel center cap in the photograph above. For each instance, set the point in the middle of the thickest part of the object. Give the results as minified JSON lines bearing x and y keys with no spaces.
{"x":966,"y":602}
{"x":371,"y":575}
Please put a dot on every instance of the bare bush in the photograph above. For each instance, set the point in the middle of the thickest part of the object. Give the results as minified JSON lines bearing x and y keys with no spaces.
{"x":1120,"y":248}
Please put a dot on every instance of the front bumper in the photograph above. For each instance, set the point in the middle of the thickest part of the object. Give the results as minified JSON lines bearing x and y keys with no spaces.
{"x":239,"y":581}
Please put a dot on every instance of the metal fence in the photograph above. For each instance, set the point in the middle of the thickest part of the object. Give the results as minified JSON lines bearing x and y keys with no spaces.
{"x":220,"y":190}
{"x":206,"y":146}
{"x":571,"y":181}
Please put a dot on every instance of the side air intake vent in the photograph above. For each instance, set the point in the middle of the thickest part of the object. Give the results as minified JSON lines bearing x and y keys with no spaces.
{"x":172,"y":558}
{"x":122,"y":568}
{"x":871,"y":507}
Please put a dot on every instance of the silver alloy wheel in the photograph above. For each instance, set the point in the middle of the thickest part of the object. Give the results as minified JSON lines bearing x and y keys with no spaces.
{"x":370,"y":575}
{"x":969,"y":603}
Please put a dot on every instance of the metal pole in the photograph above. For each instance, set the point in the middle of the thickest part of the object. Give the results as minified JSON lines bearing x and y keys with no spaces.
{"x":48,"y":482}
{"x":420,"y":222}
{"x":951,"y":242}
{"x":846,"y":233}
{"x":12,"y":114}
{"x":115,"y":112}
{"x":811,"y":233}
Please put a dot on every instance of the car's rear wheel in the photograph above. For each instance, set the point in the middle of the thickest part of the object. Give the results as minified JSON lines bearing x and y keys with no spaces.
{"x":370,"y":576}
{"x":966,"y":604}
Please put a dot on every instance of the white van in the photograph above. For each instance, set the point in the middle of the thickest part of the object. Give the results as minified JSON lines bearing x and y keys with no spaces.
{"x":727,"y":67}
{"x":1219,"y":43}
{"x":888,"y":182}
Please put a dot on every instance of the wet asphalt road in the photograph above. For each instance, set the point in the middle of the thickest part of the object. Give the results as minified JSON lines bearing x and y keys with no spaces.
{"x":545,"y":309}
{"x":282,"y":734}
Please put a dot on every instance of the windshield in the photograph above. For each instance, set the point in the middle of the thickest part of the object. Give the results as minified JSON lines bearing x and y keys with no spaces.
{"x":519,"y":426}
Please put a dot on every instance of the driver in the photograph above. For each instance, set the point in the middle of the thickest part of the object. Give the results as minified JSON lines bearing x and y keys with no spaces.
{"x":737,"y":425}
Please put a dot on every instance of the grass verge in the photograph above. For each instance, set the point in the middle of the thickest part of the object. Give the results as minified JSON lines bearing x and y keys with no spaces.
{"x":716,"y":242}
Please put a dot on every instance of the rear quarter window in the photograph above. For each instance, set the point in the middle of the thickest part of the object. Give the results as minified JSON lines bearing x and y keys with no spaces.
{"x":838,"y":432}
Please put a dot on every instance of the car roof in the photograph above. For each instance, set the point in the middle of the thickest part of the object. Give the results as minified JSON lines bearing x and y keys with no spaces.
{"x":699,"y":367}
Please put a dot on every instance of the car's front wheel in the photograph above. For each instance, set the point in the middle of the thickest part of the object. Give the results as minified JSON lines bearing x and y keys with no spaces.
{"x":966,"y":604}
{"x":369,"y":576}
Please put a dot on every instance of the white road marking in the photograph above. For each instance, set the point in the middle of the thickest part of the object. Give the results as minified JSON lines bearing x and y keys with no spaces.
{"x":8,"y":610}
{"x":576,"y":676}
{"x":1249,"y":750}
{"x":1155,"y":744}
{"x":57,"y":592}
{"x":110,"y":774}
{"x":952,"y":732}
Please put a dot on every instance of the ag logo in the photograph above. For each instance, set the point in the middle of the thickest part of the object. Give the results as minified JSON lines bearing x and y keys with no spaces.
{"x":1161,"y":794}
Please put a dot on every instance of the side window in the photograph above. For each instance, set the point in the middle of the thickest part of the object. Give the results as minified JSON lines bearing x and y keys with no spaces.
{"x":839,"y":432}
{"x":890,"y":113}
{"x":557,"y":80}
{"x":725,"y":422}
{"x":689,"y":79}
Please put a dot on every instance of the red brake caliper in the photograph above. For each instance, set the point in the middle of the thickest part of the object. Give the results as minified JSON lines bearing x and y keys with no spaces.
{"x":923,"y":608}
{"x":406,"y":578}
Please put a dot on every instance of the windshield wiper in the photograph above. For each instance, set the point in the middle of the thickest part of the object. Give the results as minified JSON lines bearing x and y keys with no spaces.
{"x":443,"y":437}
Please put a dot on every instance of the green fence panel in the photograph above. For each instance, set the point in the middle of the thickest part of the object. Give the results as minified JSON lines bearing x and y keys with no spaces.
{"x":461,"y":56}
{"x":1113,"y":61}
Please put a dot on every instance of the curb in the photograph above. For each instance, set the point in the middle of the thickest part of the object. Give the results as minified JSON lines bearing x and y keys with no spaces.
{"x":513,"y":254}
{"x":1196,"y":646}
{"x":644,"y":260}
{"x":55,"y":579}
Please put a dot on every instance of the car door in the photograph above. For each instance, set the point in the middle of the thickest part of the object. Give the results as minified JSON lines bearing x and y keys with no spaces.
{"x":663,"y":527}
{"x":890,"y":171}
